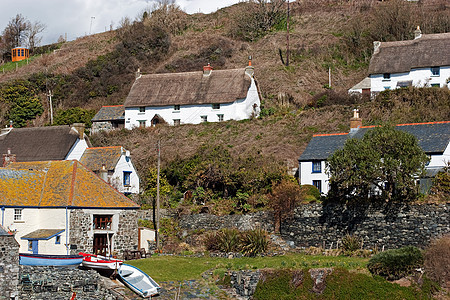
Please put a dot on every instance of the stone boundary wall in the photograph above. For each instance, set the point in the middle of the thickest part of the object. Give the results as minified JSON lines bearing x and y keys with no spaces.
{"x":9,"y":266}
{"x":388,"y":225}
{"x":62,"y":282}
{"x":391,"y":226}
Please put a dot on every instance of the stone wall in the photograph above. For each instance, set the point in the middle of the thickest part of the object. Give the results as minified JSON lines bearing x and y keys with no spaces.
{"x":388,"y":225}
{"x":9,"y":266}
{"x":61,"y":283}
{"x":82,"y":235}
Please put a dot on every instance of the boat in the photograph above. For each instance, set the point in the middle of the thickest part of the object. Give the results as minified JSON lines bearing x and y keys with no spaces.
{"x":26,"y":259}
{"x":138,"y":281}
{"x":99,"y":262}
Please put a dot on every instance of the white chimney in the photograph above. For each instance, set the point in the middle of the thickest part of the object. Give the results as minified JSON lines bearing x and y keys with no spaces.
{"x":104,"y":173}
{"x":376,"y":46}
{"x":417,"y":33}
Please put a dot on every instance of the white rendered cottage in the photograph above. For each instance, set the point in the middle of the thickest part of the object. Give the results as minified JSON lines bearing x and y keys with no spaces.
{"x":433,"y":138}
{"x":113,"y":165}
{"x":422,"y":62}
{"x":192,"y":97}
{"x":61,"y":207}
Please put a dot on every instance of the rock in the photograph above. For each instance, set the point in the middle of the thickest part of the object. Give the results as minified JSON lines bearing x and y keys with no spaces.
{"x":318,"y":276}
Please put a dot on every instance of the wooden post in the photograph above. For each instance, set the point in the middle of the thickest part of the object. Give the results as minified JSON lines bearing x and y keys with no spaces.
{"x":157,"y":195}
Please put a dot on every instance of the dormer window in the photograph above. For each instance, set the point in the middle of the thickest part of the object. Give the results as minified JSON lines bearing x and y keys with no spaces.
{"x":176,"y":107}
{"x":435,"y":71}
{"x":215,"y":106}
{"x":142,"y":109}
{"x":387,"y":76}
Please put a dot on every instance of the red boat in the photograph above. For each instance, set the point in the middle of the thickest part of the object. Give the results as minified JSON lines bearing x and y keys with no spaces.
{"x":100,"y":262}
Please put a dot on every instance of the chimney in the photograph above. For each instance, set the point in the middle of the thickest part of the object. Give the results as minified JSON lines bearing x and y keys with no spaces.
{"x":138,"y":73}
{"x":376,"y":46}
{"x":207,"y":70}
{"x":104,"y":173}
{"x":356,"y":121}
{"x":249,"y":70}
{"x":417,"y":33}
{"x":8,"y":158}
{"x":79,"y":127}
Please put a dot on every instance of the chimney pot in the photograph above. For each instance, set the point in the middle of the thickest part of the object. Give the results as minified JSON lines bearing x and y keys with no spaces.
{"x":104,"y":173}
{"x":355,"y":121}
{"x":79,"y":127}
{"x":207,"y":70}
{"x":417,"y":33}
{"x":376,"y":46}
{"x":8,"y":158}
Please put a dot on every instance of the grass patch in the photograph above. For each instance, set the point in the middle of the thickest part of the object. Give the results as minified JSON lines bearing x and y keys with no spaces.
{"x":11,"y":66}
{"x":177,"y":268}
{"x":341,"y":284}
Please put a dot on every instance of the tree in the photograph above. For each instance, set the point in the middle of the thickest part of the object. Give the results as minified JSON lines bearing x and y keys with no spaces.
{"x":283,"y":200}
{"x":385,"y":160}
{"x":15,"y":32}
{"x":31,"y":34}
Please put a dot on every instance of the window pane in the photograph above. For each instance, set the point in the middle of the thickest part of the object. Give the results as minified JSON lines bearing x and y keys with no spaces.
{"x":318,"y":185}
{"x":141,"y":109}
{"x":176,"y":107}
{"x":317,"y":166}
{"x":126,"y":178}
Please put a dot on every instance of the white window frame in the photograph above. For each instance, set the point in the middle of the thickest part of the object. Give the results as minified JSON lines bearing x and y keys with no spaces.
{"x":204,"y":119}
{"x":176,"y":122}
{"x":220,"y":117}
{"x":18,"y":214}
{"x":434,"y":73}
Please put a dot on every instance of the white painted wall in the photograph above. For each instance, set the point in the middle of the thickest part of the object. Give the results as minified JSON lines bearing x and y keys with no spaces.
{"x":146,"y":235}
{"x":116,"y":180}
{"x":421,"y":77}
{"x":307,"y":176}
{"x":77,"y":150}
{"x":440,"y":160}
{"x":191,"y":114}
{"x":34,"y":219}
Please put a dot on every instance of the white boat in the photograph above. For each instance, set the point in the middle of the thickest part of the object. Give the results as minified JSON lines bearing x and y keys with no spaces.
{"x":100,"y":262}
{"x":138,"y":281}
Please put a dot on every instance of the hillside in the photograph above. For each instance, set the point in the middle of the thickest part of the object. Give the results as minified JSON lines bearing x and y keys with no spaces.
{"x":324,"y":35}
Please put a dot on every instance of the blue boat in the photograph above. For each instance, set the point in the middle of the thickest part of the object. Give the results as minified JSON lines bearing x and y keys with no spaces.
{"x":26,"y":259}
{"x":138,"y":281}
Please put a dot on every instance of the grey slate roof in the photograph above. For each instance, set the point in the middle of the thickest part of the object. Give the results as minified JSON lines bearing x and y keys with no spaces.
{"x":3,"y":231}
{"x":110,"y":113}
{"x":433,"y":138}
{"x":430,"y":50}
{"x":39,"y":143}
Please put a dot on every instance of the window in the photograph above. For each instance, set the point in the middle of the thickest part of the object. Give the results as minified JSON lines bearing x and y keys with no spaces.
{"x":30,"y":245}
{"x":102,"y":221}
{"x":435,"y":85}
{"x":220,"y":117}
{"x":387,"y":76}
{"x":21,"y":52}
{"x":204,"y":119}
{"x":142,"y":109}
{"x":387,"y":88}
{"x":141,"y":124}
{"x":216,"y":106}
{"x":126,"y":178}
{"x":18,"y":214}
{"x":58,"y":239}
{"x":435,"y":71}
{"x":176,"y":122}
{"x":317,"y":166}
{"x":176,"y":107}
{"x":318,"y":184}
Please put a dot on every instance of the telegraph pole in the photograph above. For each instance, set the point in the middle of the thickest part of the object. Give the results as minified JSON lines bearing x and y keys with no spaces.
{"x":90,"y":28}
{"x":51,"y":105}
{"x":287,"y":36}
{"x":157,"y":195}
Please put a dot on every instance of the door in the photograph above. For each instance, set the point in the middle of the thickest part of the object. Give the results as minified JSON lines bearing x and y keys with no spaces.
{"x":34,"y":247}
{"x":102,"y":244}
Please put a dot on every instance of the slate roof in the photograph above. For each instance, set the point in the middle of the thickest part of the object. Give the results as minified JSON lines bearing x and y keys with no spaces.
{"x":363,"y":84}
{"x":39,"y":143}
{"x":430,"y":50}
{"x":94,"y":158}
{"x":57,"y":184}
{"x":42,"y":234}
{"x":3,"y":231}
{"x":110,"y":113}
{"x":221,"y":86}
{"x":433,"y":138}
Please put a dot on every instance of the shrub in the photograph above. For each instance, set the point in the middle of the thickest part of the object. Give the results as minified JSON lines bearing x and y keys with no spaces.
{"x":211,"y":241}
{"x":437,"y":260}
{"x":310,"y":193}
{"x":351,"y":242}
{"x":228,"y":239}
{"x":396,"y":263}
{"x":254,"y":242}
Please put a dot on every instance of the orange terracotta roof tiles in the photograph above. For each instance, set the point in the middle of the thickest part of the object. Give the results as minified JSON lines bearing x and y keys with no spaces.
{"x":57,"y":184}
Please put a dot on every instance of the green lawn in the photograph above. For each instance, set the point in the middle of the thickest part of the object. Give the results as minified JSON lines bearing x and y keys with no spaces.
{"x":11,"y":66}
{"x":177,"y":268}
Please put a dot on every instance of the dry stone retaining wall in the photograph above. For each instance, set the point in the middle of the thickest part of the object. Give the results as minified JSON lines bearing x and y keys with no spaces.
{"x":9,"y":266}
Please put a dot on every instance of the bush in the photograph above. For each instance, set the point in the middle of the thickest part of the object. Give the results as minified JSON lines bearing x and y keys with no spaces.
{"x":310,"y":193}
{"x":254,"y":242}
{"x":397,"y":263}
{"x":437,"y":260}
{"x":351,"y":243}
{"x":228,"y":239}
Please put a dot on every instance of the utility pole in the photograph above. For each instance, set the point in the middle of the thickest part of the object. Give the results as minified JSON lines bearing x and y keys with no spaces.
{"x":49,"y":95}
{"x":90,"y":28}
{"x":157,"y":195}
{"x":287,"y":36}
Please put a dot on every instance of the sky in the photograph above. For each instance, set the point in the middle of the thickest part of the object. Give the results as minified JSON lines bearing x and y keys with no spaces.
{"x":77,"y":18}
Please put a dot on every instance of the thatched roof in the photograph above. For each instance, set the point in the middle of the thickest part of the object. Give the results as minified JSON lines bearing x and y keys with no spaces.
{"x":221,"y":86}
{"x":39,"y":143}
{"x":430,"y":50}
